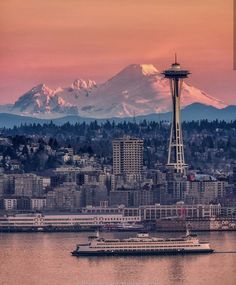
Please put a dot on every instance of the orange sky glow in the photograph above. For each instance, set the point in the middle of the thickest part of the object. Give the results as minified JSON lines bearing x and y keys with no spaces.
{"x":57,"y":41}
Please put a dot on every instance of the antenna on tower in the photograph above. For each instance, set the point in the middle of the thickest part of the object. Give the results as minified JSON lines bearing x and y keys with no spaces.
{"x":175,"y":57}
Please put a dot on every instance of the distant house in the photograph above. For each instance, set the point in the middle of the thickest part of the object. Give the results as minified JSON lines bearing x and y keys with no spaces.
{"x":14,"y":165}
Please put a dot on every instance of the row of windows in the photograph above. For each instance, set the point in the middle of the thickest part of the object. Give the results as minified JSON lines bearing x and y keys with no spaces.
{"x":145,"y":247}
{"x":149,"y":243}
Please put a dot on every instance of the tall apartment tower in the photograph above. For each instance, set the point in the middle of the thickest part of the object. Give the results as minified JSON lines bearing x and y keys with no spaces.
{"x":176,"y":159}
{"x":127,"y":156}
{"x":234,"y":176}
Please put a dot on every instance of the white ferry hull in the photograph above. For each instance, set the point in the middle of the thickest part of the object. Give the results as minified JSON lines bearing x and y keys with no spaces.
{"x":141,"y":252}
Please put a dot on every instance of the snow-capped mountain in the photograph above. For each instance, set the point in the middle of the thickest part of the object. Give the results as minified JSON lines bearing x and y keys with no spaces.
{"x":138,"y":89}
{"x":43,"y":100}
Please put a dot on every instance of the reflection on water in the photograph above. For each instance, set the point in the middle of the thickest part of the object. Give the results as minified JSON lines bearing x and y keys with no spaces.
{"x":44,"y":258}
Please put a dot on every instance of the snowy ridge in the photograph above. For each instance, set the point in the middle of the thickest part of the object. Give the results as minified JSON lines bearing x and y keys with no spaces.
{"x":42,"y":99}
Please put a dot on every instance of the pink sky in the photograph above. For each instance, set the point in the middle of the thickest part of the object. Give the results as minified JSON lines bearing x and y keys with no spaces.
{"x":57,"y":41}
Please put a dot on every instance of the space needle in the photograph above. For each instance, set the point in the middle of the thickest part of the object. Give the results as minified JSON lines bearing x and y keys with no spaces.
{"x":176,"y":159}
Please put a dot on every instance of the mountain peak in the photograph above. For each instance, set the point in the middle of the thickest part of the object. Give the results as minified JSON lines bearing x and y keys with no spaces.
{"x":148,"y":69}
{"x":134,"y":72}
{"x":42,"y":89}
{"x":42,"y":100}
{"x":141,"y":69}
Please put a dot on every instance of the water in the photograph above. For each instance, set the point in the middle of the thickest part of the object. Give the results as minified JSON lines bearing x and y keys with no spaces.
{"x":44,"y":258}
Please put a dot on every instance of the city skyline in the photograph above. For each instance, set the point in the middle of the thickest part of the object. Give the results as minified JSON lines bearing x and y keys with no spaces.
{"x":56,"y":43}
{"x":108,"y":147}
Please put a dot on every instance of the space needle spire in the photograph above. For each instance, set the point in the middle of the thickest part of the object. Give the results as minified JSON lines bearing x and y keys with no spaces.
{"x":176,"y":159}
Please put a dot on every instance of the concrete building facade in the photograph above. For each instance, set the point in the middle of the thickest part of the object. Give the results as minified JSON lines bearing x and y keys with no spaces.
{"x":128,"y":156}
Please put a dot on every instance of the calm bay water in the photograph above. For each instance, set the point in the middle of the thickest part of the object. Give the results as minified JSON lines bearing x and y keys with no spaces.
{"x":44,"y":258}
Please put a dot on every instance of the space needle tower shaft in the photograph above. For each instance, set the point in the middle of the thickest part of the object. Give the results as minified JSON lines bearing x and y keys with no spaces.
{"x":176,"y":159}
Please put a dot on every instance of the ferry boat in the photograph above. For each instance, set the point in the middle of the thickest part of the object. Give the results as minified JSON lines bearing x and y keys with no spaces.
{"x":126,"y":227}
{"x":129,"y":227}
{"x":142,"y":244}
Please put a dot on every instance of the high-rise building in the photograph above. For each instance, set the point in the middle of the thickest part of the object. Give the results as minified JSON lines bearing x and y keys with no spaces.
{"x":128,"y":156}
{"x":176,"y":148}
{"x":25,"y":185}
{"x":234,"y":176}
{"x":203,"y":188}
{"x":3,"y":184}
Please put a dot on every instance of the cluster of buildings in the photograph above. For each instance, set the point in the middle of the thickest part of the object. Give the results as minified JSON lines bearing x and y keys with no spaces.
{"x":127,"y":183}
